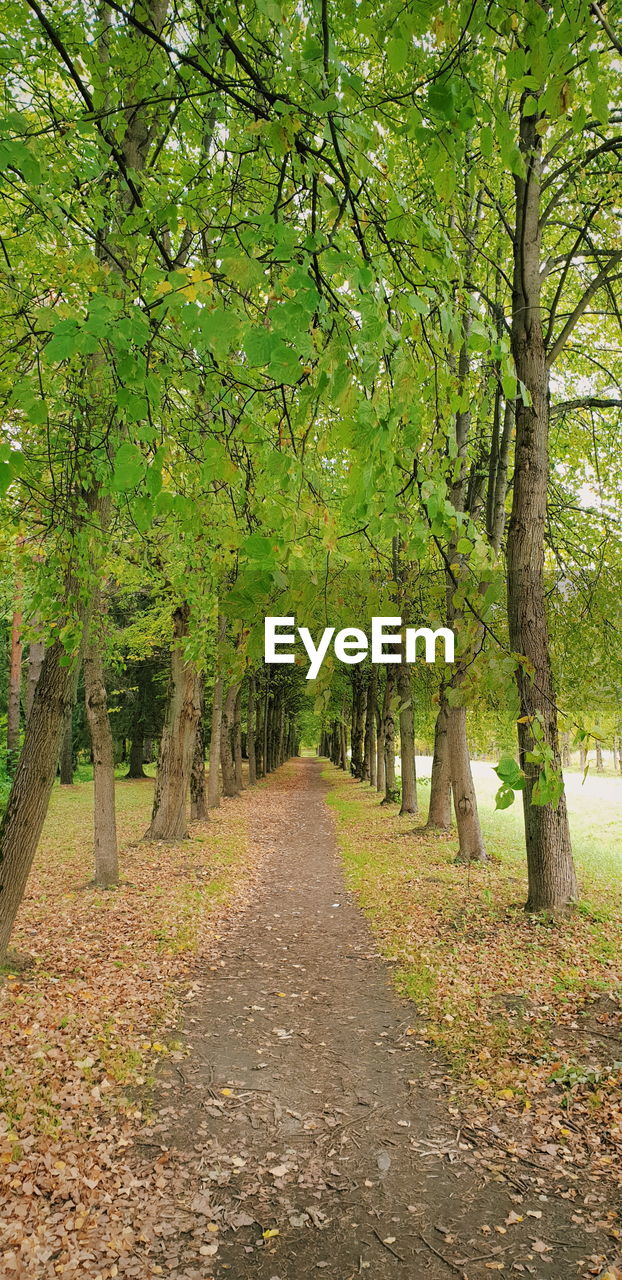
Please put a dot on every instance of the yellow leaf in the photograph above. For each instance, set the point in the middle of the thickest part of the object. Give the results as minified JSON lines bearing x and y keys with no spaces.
{"x":270,"y":1233}
{"x":227,"y":1093}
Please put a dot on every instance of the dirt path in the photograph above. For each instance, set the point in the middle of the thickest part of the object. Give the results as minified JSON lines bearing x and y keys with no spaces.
{"x":307,"y":1108}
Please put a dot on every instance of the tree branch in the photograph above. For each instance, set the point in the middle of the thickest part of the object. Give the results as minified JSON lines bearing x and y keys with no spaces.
{"x":598,"y":13}
{"x":582,"y":305}
{"x":585,"y":402}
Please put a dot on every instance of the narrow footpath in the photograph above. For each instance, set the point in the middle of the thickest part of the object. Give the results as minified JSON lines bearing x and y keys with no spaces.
{"x":311,"y":1133}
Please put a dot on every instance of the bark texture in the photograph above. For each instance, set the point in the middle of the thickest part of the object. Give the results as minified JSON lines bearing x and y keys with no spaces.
{"x":105,"y":823}
{"x":470,"y":840}
{"x":388,"y":737}
{"x":407,"y":740}
{"x":34,"y":776}
{"x":213,"y":783}
{"x":66,"y":754}
{"x":198,"y":780}
{"x":439,"y":812}
{"x":250,"y":732}
{"x":227,"y":759}
{"x":169,"y":818}
{"x":36,"y":654}
{"x":551,"y":873}
{"x":14,"y":691}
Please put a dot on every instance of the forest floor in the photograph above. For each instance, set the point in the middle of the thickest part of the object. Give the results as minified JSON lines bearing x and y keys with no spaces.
{"x":300,"y":1119}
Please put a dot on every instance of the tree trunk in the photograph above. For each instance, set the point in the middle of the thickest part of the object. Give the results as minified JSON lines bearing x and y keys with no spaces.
{"x":237,"y":739}
{"x":470,"y":840}
{"x":407,"y":741}
{"x":566,"y":750}
{"x":267,"y":716}
{"x":136,"y":758}
{"x":227,"y":760}
{"x":388,"y":737}
{"x":198,"y":781}
{"x":250,"y":732}
{"x":169,"y":818}
{"x":36,"y":654}
{"x":343,"y":745}
{"x":551,"y":873}
{"x":34,"y":777}
{"x":213,"y":782}
{"x":380,"y":774}
{"x":599,"y":756}
{"x":359,"y":707}
{"x":439,"y":812}
{"x":14,"y":690}
{"x":370,"y":762}
{"x":66,"y":754}
{"x":105,"y":823}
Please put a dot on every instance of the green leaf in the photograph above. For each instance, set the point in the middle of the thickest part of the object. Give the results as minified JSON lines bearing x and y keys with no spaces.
{"x":129,"y":466}
{"x":504,"y":798}
{"x":258,"y":346}
{"x":397,"y":53}
{"x":510,"y":773}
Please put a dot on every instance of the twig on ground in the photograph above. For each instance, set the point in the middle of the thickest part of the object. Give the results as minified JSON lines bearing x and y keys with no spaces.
{"x":453,"y":1266}
{"x":388,"y":1247}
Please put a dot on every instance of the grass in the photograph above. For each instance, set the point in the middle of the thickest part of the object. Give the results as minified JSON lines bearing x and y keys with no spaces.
{"x":509,"y":999}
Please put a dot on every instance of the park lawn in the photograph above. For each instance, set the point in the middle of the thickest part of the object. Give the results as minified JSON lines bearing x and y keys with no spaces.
{"x":525,"y":1010}
{"x":91,"y":1000}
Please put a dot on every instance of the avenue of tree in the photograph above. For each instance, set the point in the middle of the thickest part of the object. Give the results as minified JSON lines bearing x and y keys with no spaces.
{"x":308,"y":308}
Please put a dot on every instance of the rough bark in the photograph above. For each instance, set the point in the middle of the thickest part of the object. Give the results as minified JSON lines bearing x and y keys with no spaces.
{"x":237,"y":740}
{"x":66,"y":754}
{"x":136,"y":757}
{"x":198,"y":780}
{"x":380,"y":777}
{"x":439,"y":812}
{"x":551,"y":873}
{"x":369,"y":762}
{"x":470,"y":840}
{"x":250,"y":732}
{"x":359,"y":706}
{"x":388,"y":737}
{"x":102,"y":747}
{"x":343,"y":746}
{"x":169,"y":818}
{"x":34,"y":776}
{"x":36,"y":654}
{"x":14,"y":690}
{"x":213,"y":784}
{"x":407,"y":740}
{"x":227,"y":760}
